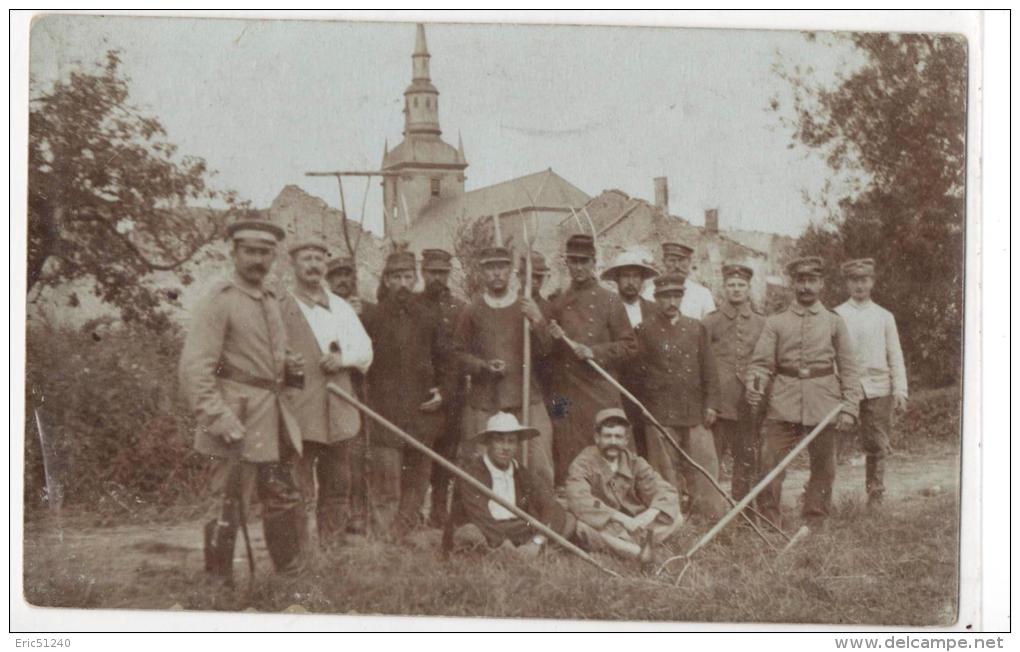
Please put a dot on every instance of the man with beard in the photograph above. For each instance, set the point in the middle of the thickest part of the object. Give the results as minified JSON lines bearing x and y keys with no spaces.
{"x":883,"y":374}
{"x":404,"y":387}
{"x":327,"y":333}
{"x":232,"y":370}
{"x":807,"y":348}
{"x":630,"y":270}
{"x":677,"y":259}
{"x":621,"y":503}
{"x":680,"y":387}
{"x":342,"y":278}
{"x":733,"y":330}
{"x":436,"y":267}
{"x":490,"y":343}
{"x":589,"y":323}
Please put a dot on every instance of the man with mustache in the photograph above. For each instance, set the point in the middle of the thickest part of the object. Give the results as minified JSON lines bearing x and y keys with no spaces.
{"x":677,"y":259}
{"x":233,"y":369}
{"x":621,"y":503}
{"x":883,"y":374}
{"x":342,"y":278}
{"x":436,"y":266}
{"x":733,"y":330}
{"x":403,"y":386}
{"x":679,"y":385}
{"x":591,"y":324}
{"x":490,"y":343}
{"x":326,"y":332}
{"x":808,"y":350}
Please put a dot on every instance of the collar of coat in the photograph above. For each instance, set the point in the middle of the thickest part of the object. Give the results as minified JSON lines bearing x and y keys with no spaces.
{"x":255,"y":292}
{"x":732,"y":311}
{"x":623,"y":466}
{"x":800,"y":309}
{"x":300,"y":295}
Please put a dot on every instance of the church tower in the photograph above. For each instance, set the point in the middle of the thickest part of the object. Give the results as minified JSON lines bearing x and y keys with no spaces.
{"x":429,"y":168}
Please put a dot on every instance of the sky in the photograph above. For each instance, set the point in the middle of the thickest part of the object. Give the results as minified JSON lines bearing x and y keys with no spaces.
{"x":264,"y":101}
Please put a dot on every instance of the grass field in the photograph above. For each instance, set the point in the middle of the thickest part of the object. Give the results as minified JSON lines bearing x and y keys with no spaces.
{"x":895,"y":566}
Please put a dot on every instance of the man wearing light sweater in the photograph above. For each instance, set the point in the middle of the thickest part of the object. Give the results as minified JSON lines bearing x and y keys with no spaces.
{"x":883,"y":374}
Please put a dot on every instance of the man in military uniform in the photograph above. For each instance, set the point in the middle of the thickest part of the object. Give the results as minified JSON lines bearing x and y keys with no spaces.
{"x":629,"y":271}
{"x":404,"y":386}
{"x":808,"y":350}
{"x":883,"y":374}
{"x":733,"y":330}
{"x":436,"y":266}
{"x":589,"y":323}
{"x":679,"y":385}
{"x":677,"y":259}
{"x":342,"y":278}
{"x":232,"y":370}
{"x":324,"y":330}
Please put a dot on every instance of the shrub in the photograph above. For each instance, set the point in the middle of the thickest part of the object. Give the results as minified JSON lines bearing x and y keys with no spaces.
{"x":933,"y":416}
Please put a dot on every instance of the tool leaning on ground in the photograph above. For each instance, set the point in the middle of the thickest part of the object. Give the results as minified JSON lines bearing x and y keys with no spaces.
{"x":466,"y":477}
{"x":655,"y":422}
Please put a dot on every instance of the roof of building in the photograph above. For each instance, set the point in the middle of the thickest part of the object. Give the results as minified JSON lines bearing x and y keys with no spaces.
{"x":423,"y":150}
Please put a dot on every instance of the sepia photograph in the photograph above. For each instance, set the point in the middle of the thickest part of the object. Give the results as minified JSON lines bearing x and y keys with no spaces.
{"x":494,"y":320}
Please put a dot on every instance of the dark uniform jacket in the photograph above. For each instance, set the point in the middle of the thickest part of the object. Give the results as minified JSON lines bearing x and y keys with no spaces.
{"x":679,"y":378}
{"x":446,"y":309}
{"x":732,"y":333}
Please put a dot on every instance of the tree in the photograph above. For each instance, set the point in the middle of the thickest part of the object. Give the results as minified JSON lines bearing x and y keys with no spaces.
{"x":896,"y":128}
{"x":110,"y":201}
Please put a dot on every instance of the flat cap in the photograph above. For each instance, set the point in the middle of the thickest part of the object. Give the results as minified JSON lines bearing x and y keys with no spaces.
{"x":738,"y":270}
{"x":580,"y":245}
{"x":255,"y":229}
{"x":437,"y":260}
{"x":340,"y":262}
{"x":633,"y":259}
{"x":676,"y":249}
{"x":309,"y":243}
{"x":495,"y":255}
{"x":810,"y":265}
{"x":670,"y":283}
{"x":538,"y":264}
{"x":611,"y":414}
{"x":859,"y":267}
{"x":400,"y":261}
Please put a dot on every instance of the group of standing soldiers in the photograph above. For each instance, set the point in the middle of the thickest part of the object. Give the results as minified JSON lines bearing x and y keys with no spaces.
{"x":257,"y":362}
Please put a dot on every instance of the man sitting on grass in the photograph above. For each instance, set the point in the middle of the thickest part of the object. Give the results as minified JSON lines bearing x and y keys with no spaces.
{"x":476,"y":519}
{"x":621,"y":503}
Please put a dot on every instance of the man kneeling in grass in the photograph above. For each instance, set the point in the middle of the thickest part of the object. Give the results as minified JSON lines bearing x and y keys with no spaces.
{"x":476,"y":519}
{"x":622,"y":504}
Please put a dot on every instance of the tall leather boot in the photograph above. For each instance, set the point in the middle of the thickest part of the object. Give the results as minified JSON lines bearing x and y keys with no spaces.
{"x":874,"y":479}
{"x":286,"y":534}
{"x":220,"y":537}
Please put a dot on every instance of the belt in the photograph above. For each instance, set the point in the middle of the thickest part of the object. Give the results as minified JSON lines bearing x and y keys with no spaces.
{"x":806,"y":372}
{"x":228,"y":371}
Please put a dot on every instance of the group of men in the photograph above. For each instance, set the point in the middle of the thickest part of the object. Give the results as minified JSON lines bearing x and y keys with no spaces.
{"x":521,"y":392}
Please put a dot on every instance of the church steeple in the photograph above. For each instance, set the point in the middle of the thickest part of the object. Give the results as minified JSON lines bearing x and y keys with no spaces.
{"x":421,"y":99}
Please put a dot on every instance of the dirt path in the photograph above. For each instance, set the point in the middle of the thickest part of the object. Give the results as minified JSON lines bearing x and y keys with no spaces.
{"x":68,"y":563}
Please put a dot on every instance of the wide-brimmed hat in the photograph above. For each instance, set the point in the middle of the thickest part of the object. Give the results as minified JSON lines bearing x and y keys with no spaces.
{"x":504,"y":422}
{"x":630,"y":258}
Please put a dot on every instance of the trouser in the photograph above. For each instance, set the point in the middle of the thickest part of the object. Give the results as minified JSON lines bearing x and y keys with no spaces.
{"x":591,"y":537}
{"x":697,"y":442}
{"x":778,"y":438}
{"x":284,"y":525}
{"x":328,"y":467}
{"x":399,"y":480}
{"x":536,"y":454}
{"x":738,"y":434}
{"x":875,"y":426}
{"x":446,"y":445}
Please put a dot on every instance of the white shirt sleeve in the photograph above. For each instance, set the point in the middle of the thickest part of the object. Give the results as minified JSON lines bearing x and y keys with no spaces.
{"x":355,"y":345}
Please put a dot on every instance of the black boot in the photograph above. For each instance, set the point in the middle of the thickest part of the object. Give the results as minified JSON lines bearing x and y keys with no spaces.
{"x":286,"y":534}
{"x":220,"y":537}
{"x":874,"y":479}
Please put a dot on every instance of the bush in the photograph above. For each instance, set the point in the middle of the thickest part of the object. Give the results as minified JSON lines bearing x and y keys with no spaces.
{"x":933,"y":416}
{"x":116,"y":431}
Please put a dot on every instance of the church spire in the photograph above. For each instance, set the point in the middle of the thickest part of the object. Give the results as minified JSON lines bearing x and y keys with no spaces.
{"x":421,"y":99}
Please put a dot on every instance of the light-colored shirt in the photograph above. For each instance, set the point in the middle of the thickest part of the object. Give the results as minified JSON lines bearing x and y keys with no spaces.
{"x":877,"y":344}
{"x":338,"y":323}
{"x":502,"y":486}
{"x":633,"y":312}
{"x":697,"y":301}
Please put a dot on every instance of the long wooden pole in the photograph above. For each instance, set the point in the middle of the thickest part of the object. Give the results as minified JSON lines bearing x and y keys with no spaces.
{"x":466,"y":477}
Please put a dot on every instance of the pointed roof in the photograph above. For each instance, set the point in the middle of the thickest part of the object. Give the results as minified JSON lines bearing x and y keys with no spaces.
{"x":420,"y":47}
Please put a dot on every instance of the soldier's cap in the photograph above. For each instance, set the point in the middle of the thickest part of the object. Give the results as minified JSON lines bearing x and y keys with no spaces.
{"x":495,"y":255}
{"x":538,"y":264}
{"x":677,"y":249}
{"x":400,"y":261}
{"x":580,"y":246}
{"x":610,"y":414}
{"x":436,"y":260}
{"x":859,"y":267}
{"x":738,"y":270}
{"x":309,"y":243}
{"x":630,"y":259}
{"x":670,"y":283}
{"x":808,"y":265}
{"x":339,"y":262}
{"x":255,"y":229}
{"x":504,"y":422}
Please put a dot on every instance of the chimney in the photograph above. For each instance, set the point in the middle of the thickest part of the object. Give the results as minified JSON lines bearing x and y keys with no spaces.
{"x":712,"y":221}
{"x":662,"y":194}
